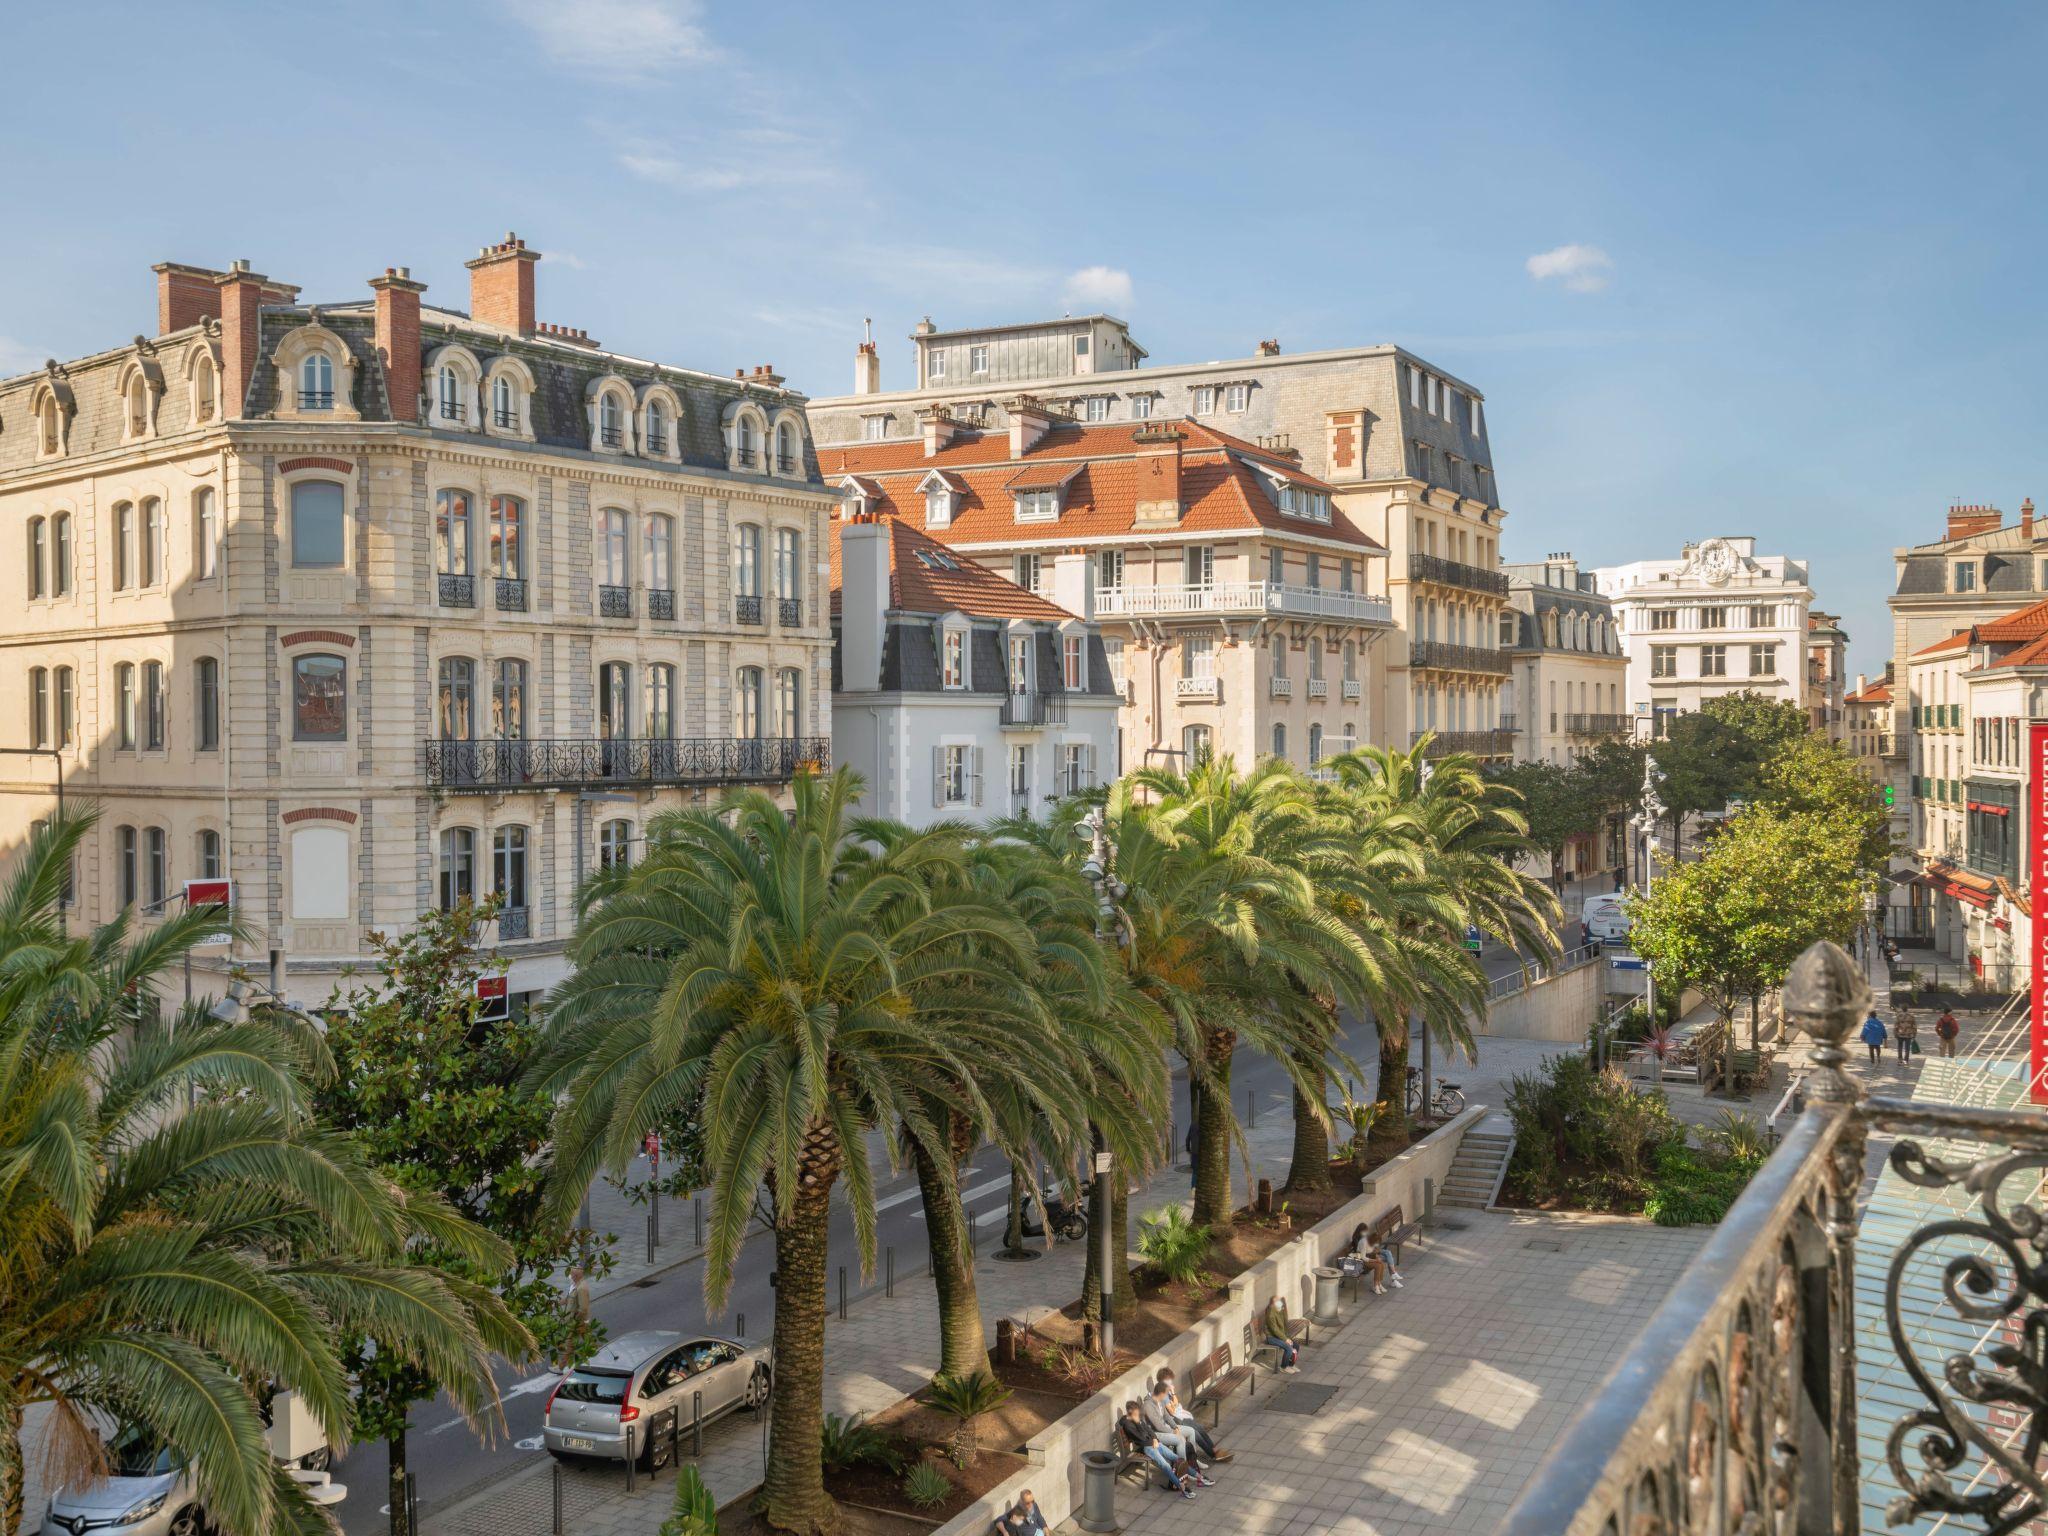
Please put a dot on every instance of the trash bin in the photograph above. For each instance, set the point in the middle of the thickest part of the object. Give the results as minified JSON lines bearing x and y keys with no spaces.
{"x":1325,"y":1309}
{"x":1098,"y":1490}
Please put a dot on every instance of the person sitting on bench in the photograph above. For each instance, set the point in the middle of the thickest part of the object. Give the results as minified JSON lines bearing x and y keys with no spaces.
{"x":1186,"y":1420}
{"x":1143,"y":1439}
{"x":1365,"y":1257}
{"x":1279,"y":1337}
{"x":1024,"y":1518}
{"x":1172,"y":1434}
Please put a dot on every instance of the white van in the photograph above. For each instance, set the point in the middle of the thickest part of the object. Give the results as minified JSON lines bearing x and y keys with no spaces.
{"x":1606,"y":918}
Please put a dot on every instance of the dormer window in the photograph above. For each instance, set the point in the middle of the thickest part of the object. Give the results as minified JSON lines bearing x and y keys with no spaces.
{"x":205,"y":388}
{"x":138,"y":406}
{"x":1038,"y":506}
{"x":657,"y":428}
{"x":504,"y":407}
{"x":1966,"y":575}
{"x":611,"y":423}
{"x":953,"y":656}
{"x":1236,"y":397}
{"x":1074,"y":662}
{"x":49,"y":430}
{"x":1205,"y":400}
{"x":786,"y":459}
{"x":316,"y":382}
{"x":941,"y":500}
{"x":1300,"y":501}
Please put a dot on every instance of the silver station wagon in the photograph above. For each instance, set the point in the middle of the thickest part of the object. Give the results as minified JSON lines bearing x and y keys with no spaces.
{"x":623,"y":1400}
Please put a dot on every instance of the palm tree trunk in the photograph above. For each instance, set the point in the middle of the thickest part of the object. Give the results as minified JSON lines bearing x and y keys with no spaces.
{"x":1310,"y":1169}
{"x":1393,"y":1083}
{"x":1013,"y":1229}
{"x":963,"y":1348}
{"x":793,"y":1496}
{"x":394,"y":1488}
{"x":1091,"y":1272}
{"x":13,"y":1469}
{"x":1213,"y":1205}
{"x":1120,"y":1242}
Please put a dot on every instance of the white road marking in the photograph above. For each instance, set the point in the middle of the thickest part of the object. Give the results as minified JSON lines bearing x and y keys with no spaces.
{"x":539,"y":1383}
{"x":969,"y":1196}
{"x":903,"y":1196}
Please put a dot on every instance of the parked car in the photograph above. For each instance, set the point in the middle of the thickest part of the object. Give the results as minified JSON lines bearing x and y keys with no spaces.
{"x":147,"y":1492}
{"x":622,"y":1401}
{"x":1605,"y":917}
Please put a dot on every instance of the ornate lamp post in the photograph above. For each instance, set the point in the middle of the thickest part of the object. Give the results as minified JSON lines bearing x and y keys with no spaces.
{"x":1646,"y":821}
{"x":1098,"y":868}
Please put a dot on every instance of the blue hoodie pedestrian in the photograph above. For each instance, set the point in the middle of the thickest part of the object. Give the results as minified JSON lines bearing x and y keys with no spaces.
{"x":1874,"y":1035}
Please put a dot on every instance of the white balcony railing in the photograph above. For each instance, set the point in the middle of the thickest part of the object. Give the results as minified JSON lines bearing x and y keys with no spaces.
{"x":1242,"y":597}
{"x":1201,"y":688}
{"x":1283,"y":687}
{"x":1319,"y":687}
{"x":1352,"y":688}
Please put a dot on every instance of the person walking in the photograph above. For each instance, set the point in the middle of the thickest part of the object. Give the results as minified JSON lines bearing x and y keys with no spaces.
{"x":1874,"y":1036}
{"x":1945,"y":1031}
{"x":1906,"y":1030}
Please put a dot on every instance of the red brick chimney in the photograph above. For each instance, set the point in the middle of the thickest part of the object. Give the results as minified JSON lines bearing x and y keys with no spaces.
{"x":1964,"y":521}
{"x":241,"y":308}
{"x":2027,"y":517}
{"x":398,"y":338}
{"x":1159,"y":466}
{"x":185,"y":295}
{"x":501,"y":285}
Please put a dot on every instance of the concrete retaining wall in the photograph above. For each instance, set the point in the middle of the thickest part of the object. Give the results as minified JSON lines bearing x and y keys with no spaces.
{"x":1055,"y":1474}
{"x":1558,"y":1008}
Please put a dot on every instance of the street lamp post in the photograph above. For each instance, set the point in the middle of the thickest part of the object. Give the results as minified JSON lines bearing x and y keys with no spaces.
{"x":1109,"y":930}
{"x":1652,"y":813}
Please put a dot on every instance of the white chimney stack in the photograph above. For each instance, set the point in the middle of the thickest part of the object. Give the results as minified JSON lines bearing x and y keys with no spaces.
{"x":1073,"y":584}
{"x":863,"y":604}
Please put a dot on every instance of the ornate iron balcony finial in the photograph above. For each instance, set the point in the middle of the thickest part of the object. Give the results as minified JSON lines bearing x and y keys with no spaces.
{"x":1828,"y":994}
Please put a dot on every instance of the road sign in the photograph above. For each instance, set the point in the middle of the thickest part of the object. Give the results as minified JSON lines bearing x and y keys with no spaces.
{"x":217,"y":894}
{"x":1473,"y":941}
{"x":494,"y":999}
{"x":1630,"y":963}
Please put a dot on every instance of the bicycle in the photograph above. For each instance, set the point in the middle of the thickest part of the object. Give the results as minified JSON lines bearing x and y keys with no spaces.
{"x":1448,"y":1101}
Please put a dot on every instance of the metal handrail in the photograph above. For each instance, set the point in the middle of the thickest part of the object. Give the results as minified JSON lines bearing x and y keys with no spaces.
{"x":1451,"y":657}
{"x":1455,"y":573}
{"x":483,"y":767}
{"x":1277,"y":597}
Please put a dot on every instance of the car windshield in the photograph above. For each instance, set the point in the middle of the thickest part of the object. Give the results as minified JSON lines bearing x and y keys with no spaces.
{"x":586,"y":1386}
{"x":135,"y":1453}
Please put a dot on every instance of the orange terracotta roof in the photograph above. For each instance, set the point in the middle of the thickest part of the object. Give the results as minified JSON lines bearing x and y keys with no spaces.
{"x":927,"y":577}
{"x":1225,"y":484}
{"x":1876,"y":693}
{"x":2021,"y":624}
{"x":1942,"y":647}
{"x":2032,"y":654}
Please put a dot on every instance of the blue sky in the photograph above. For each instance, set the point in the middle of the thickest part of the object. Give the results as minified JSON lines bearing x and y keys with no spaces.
{"x":1799,"y":294}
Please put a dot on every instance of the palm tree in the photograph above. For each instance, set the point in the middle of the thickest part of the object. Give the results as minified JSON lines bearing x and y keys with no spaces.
{"x":1471,"y":837}
{"x":174,"y":1225}
{"x":785,"y":966}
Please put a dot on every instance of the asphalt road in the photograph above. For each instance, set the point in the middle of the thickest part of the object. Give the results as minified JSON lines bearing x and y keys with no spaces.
{"x":449,"y":1461}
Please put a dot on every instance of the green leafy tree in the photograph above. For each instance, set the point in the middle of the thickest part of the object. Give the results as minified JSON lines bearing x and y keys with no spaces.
{"x":1613,"y":771}
{"x":175,"y":1224}
{"x":1718,"y":752}
{"x":1732,"y":922}
{"x":1817,"y":776}
{"x":1559,"y":804}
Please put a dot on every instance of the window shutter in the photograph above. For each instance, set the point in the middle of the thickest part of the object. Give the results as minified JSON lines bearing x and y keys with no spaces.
{"x":1088,"y":766}
{"x":938,"y":778}
{"x":974,"y":765}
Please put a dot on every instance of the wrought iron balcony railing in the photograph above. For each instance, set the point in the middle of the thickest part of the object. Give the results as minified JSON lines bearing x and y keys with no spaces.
{"x":1495,"y":743}
{"x":785,"y":464}
{"x":484,"y":767}
{"x":615,"y":602}
{"x":316,"y":399}
{"x":457,"y":591}
{"x":511,"y":594}
{"x":451,"y":410}
{"x":612,"y":437}
{"x":1447,"y":657}
{"x":661,"y":603}
{"x":789,"y":612}
{"x":747,"y":610}
{"x":1454,"y":573}
{"x":505,"y":420}
{"x":1022,"y":711}
{"x":1740,"y":1407}
{"x":514,"y":923}
{"x":657,"y":442}
{"x":1596,"y":725}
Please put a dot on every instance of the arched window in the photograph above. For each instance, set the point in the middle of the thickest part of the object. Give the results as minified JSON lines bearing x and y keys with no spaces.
{"x":785,"y":449}
{"x":205,"y":389}
{"x":788,"y":567}
{"x":661,"y":574}
{"x":789,"y":703}
{"x":60,"y":555}
{"x":508,"y":538}
{"x":448,"y":386}
{"x":206,"y":704}
{"x":49,"y":428}
{"x":67,"y":703}
{"x":38,"y":556}
{"x":126,"y":858}
{"x":456,"y":714}
{"x":615,"y":701}
{"x":661,"y":693}
{"x":458,"y":867}
{"x":748,"y":441}
{"x":508,"y":700}
{"x":153,"y":702}
{"x":746,"y":704}
{"x":138,"y":406}
{"x":211,"y":865}
{"x":124,"y":546}
{"x":319,"y":698}
{"x":504,"y":404}
{"x":615,"y":845}
{"x":451,"y":532}
{"x":1315,"y":744}
{"x":747,"y":578}
{"x":159,"y":852}
{"x":124,"y":704}
{"x":319,"y":525}
{"x":38,"y":707}
{"x":1280,"y":740}
{"x":611,"y":429}
{"x":657,"y":427}
{"x":205,"y":534}
{"x":149,"y":562}
{"x":316,"y":382}
{"x":508,"y":870}
{"x":617,"y":570}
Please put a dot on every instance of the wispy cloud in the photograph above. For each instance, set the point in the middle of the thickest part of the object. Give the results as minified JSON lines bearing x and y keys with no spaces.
{"x":20,"y":357}
{"x":621,"y":41}
{"x":667,"y":171}
{"x":1098,"y":288}
{"x":1581,"y":268}
{"x":809,"y":320}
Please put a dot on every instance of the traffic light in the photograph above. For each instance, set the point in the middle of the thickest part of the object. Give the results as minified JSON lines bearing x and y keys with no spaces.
{"x":1887,"y":797}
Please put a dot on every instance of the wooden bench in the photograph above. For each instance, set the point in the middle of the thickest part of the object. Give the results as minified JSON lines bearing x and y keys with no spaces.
{"x":1393,"y":1230}
{"x":1214,"y":1378}
{"x":1130,"y":1459}
{"x":1257,"y":1345}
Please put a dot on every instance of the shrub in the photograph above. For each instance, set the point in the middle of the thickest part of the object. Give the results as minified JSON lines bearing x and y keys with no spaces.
{"x":1174,"y":1244}
{"x":849,"y":1443}
{"x":966,"y":1398}
{"x":926,"y":1487}
{"x":696,"y":1512}
{"x":1585,"y":1135}
{"x":1692,"y":1187}
{"x":1735,"y":1134}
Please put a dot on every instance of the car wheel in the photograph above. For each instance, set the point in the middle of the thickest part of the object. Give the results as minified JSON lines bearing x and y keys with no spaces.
{"x":187,"y":1522}
{"x":757,"y":1387}
{"x":318,"y":1461}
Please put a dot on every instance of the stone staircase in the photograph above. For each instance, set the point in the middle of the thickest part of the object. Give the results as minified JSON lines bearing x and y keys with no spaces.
{"x":1480,"y":1165}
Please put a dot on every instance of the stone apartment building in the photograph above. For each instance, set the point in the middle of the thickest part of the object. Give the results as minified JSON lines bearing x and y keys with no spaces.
{"x":372,"y":604}
{"x":1233,"y":595}
{"x":1719,"y":619}
{"x":1565,"y":689}
{"x":1827,"y":672}
{"x":1401,"y":444}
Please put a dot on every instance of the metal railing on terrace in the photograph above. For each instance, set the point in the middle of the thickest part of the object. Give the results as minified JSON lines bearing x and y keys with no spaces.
{"x":1535,"y":971}
{"x":484,"y":767}
{"x":1455,"y":573}
{"x":1755,"y":1401}
{"x":1596,"y":725}
{"x":1023,"y":710}
{"x":1494,"y":743}
{"x":1242,"y":597}
{"x":1447,"y":656}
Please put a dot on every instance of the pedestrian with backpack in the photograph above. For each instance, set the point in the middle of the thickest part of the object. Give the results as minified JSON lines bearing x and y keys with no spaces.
{"x":1945,"y":1030}
{"x":1907,"y":1032}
